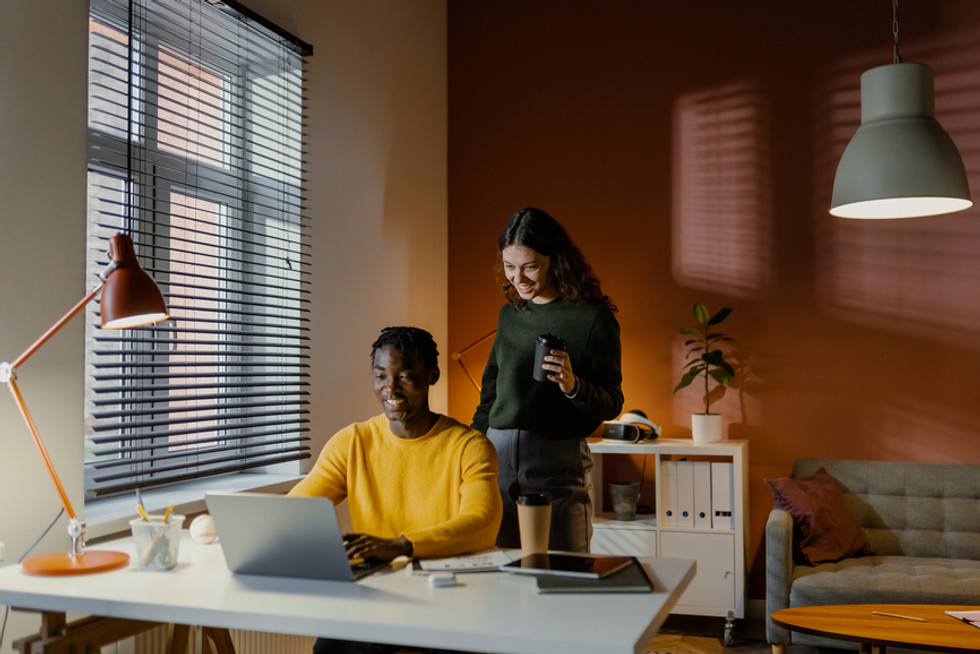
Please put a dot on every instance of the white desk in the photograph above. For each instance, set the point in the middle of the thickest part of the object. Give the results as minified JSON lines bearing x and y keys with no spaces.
{"x":487,"y":612}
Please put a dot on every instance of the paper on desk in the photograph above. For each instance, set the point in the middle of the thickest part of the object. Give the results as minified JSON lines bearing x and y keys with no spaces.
{"x":484,"y":561}
{"x":969,"y":617}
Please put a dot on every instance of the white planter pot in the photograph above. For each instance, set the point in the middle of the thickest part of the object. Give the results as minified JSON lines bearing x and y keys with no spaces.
{"x":706,"y":427}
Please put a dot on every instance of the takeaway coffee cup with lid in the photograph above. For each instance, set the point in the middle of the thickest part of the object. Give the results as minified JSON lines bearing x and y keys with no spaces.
{"x":543,"y":347}
{"x":534,"y":521}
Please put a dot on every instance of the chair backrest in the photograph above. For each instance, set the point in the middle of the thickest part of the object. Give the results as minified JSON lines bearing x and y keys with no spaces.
{"x":910,"y":509}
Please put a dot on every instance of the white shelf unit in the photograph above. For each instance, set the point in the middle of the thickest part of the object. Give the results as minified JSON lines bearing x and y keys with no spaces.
{"x":718,"y":588}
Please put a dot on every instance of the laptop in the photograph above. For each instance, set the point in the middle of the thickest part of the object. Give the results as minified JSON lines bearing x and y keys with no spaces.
{"x":279,"y":536}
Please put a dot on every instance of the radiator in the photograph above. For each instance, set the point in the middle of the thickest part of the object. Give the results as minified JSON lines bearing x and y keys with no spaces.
{"x":154,"y":641}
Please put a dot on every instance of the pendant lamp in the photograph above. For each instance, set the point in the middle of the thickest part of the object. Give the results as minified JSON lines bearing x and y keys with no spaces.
{"x":900,"y":163}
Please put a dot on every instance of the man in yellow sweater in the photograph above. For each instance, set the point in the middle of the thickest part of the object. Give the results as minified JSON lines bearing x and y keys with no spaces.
{"x":418,"y":483}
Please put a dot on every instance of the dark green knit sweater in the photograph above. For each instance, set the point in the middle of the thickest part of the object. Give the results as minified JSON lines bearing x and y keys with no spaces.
{"x":511,"y":399}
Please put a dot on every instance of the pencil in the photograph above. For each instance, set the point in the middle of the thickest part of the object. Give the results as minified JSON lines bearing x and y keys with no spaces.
{"x":895,"y":615}
{"x":166,"y":517}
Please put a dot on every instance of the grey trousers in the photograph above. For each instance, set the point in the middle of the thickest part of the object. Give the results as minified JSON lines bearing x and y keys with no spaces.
{"x":531,"y":463}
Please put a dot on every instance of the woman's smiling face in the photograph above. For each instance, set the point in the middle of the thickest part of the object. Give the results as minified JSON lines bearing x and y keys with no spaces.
{"x":529,"y":272}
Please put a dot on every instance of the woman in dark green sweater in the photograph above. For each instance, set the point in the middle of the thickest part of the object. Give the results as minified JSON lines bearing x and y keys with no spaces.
{"x":539,"y":428}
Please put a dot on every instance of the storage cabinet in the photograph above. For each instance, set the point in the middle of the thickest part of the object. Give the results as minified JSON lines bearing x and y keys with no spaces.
{"x":700,"y":512}
{"x":713,"y":588}
{"x":629,"y":538}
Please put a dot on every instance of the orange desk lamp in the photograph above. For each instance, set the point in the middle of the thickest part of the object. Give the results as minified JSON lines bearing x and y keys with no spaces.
{"x":130,"y":298}
{"x":458,"y":356}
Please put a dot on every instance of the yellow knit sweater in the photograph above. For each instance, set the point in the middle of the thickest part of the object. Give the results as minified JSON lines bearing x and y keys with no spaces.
{"x":438,"y":490}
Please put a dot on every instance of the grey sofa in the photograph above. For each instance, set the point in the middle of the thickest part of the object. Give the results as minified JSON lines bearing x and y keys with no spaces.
{"x":922,"y":519}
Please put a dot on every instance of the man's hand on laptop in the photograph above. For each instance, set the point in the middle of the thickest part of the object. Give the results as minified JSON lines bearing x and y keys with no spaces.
{"x":363,"y":546}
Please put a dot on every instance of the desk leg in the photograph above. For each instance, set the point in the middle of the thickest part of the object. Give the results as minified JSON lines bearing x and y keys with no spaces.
{"x":220,"y":638}
{"x":53,"y":624}
{"x":57,"y":635}
{"x":178,"y":639}
{"x":209,"y":640}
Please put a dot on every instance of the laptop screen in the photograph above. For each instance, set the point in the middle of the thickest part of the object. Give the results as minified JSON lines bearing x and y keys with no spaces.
{"x":276,"y":535}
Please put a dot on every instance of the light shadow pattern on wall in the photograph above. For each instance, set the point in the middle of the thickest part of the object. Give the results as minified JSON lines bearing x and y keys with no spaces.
{"x":913,"y":429}
{"x":722,"y":191}
{"x":920,"y":276}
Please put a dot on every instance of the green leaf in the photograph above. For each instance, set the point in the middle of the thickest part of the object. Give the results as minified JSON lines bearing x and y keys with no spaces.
{"x":721,"y":315}
{"x":701,"y":358}
{"x":720,"y":376}
{"x":713,"y":358}
{"x":685,"y":381}
{"x":727,"y":368}
{"x":701,"y":313}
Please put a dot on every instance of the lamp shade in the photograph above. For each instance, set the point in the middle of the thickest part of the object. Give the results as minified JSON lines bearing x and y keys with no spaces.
{"x":130,"y":297}
{"x":900,"y":163}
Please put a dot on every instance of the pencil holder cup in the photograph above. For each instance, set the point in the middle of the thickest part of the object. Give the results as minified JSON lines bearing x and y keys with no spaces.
{"x":625,"y":495}
{"x":157,"y":542}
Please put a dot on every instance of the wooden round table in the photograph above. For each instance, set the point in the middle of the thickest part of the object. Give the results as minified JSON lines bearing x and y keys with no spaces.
{"x":919,"y":626}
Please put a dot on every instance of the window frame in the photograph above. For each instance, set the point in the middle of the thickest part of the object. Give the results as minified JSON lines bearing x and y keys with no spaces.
{"x":153,"y":193}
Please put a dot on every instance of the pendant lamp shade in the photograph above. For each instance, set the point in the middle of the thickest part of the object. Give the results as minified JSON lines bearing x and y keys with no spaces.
{"x":900,"y":163}
{"x":130,"y":297}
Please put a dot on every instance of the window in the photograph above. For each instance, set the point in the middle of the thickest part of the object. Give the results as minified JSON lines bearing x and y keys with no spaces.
{"x":195,"y":150}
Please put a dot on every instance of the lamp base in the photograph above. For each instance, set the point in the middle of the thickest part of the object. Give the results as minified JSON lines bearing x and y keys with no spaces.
{"x":63,"y":563}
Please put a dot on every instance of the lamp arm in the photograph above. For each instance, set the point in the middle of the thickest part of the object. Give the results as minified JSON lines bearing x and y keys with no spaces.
{"x":458,"y":356}
{"x":39,"y":444}
{"x":8,"y":376}
{"x":475,"y":383}
{"x":54,"y":329}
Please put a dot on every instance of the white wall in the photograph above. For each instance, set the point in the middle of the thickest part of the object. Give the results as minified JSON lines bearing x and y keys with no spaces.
{"x":377,"y":190}
{"x":42,"y":259}
{"x":377,"y":198}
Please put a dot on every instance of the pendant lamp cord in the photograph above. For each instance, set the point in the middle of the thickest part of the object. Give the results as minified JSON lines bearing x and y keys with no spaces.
{"x":897,"y":56}
{"x":128,"y":221}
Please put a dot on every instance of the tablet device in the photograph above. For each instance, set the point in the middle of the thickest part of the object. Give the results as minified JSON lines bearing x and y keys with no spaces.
{"x":631,"y":579}
{"x":568,"y":565}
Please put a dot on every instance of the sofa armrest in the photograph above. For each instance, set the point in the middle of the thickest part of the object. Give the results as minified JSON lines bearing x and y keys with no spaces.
{"x":779,"y":570}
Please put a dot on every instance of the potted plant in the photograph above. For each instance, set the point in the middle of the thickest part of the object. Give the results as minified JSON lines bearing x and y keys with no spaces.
{"x":705,"y":360}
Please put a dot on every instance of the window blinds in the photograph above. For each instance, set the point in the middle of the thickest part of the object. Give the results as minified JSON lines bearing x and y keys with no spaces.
{"x":196,"y":150}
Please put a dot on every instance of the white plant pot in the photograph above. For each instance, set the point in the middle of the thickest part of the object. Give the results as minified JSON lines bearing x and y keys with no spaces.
{"x":706,"y":427}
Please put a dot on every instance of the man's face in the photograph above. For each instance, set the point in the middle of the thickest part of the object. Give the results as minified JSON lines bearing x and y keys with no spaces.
{"x":401,"y":383}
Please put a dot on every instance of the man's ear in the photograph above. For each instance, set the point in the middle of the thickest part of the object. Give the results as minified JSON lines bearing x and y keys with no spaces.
{"x":433,"y":376}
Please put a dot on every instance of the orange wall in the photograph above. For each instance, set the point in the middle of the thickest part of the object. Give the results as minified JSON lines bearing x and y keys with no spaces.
{"x":635,"y":122}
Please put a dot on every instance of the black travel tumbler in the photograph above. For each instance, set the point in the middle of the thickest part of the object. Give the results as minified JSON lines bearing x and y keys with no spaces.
{"x":542,"y":348}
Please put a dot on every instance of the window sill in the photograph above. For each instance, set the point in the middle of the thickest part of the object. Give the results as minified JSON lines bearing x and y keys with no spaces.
{"x":109,"y":517}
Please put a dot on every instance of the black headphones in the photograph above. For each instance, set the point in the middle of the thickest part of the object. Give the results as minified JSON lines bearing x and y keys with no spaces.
{"x":632,"y":427}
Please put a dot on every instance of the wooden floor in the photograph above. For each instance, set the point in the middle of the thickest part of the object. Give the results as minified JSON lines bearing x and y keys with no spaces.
{"x":704,"y":635}
{"x":681,"y":644}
